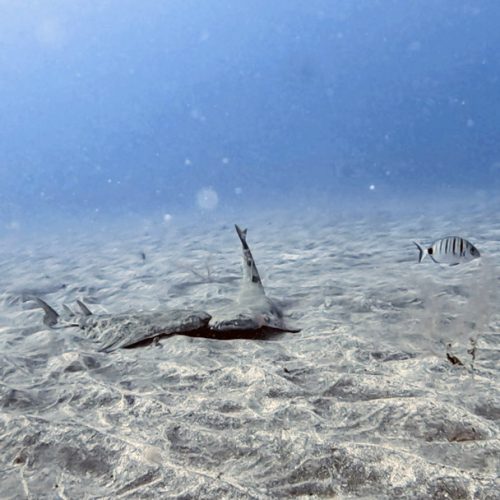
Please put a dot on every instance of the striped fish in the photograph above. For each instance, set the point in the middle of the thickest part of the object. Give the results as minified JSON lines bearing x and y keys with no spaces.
{"x":450,"y":250}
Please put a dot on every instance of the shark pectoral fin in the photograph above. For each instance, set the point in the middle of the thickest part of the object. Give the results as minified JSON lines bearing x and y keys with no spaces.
{"x":50,"y":316}
{"x":277,"y":324}
{"x":293,"y":330}
{"x":286,"y":329}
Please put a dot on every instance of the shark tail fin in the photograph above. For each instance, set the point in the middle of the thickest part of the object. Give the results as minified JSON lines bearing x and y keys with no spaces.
{"x":85,"y":310}
{"x":50,"y":317}
{"x":422,"y":252}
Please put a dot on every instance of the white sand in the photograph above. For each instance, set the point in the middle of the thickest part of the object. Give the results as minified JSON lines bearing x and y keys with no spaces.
{"x":361,"y":402}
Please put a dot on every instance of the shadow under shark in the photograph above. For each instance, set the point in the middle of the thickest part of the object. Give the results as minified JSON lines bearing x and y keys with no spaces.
{"x":252,"y":316}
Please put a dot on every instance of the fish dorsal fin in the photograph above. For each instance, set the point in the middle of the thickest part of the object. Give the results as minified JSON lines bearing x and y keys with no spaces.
{"x":50,"y":317}
{"x":85,"y":310}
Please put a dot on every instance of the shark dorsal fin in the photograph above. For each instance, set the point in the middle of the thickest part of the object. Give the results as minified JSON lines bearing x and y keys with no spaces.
{"x":69,"y":312}
{"x":50,"y":317}
{"x":85,"y":310}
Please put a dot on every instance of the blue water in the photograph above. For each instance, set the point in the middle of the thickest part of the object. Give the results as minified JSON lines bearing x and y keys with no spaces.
{"x":123,"y":106}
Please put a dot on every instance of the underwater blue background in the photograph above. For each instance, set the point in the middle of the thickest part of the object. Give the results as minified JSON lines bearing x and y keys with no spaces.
{"x":125,"y":106}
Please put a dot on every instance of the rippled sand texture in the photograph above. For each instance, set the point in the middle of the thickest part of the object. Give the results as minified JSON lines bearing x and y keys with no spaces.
{"x":361,"y":402}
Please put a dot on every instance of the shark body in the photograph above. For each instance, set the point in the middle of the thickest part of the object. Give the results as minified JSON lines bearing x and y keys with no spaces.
{"x":253,"y":315}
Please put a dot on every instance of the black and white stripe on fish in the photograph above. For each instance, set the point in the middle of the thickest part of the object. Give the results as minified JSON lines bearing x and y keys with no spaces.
{"x":450,"y":250}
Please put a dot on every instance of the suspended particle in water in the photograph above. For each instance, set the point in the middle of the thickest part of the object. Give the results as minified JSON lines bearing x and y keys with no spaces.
{"x":167,"y":218}
{"x":207,"y":198}
{"x":204,"y":35}
{"x":415,"y":46}
{"x":50,"y":33}
{"x":372,"y":187}
{"x":238,"y":190}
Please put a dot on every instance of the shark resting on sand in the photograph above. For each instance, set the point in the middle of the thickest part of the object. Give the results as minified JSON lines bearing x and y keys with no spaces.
{"x":254,"y":315}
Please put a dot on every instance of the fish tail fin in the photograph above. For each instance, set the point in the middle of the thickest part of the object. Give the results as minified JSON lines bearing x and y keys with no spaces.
{"x":50,"y":317}
{"x":250,"y":272}
{"x":242,"y":234}
{"x":422,"y":252}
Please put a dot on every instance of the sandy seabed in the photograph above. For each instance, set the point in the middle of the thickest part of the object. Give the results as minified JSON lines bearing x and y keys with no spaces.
{"x":362,"y":402}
